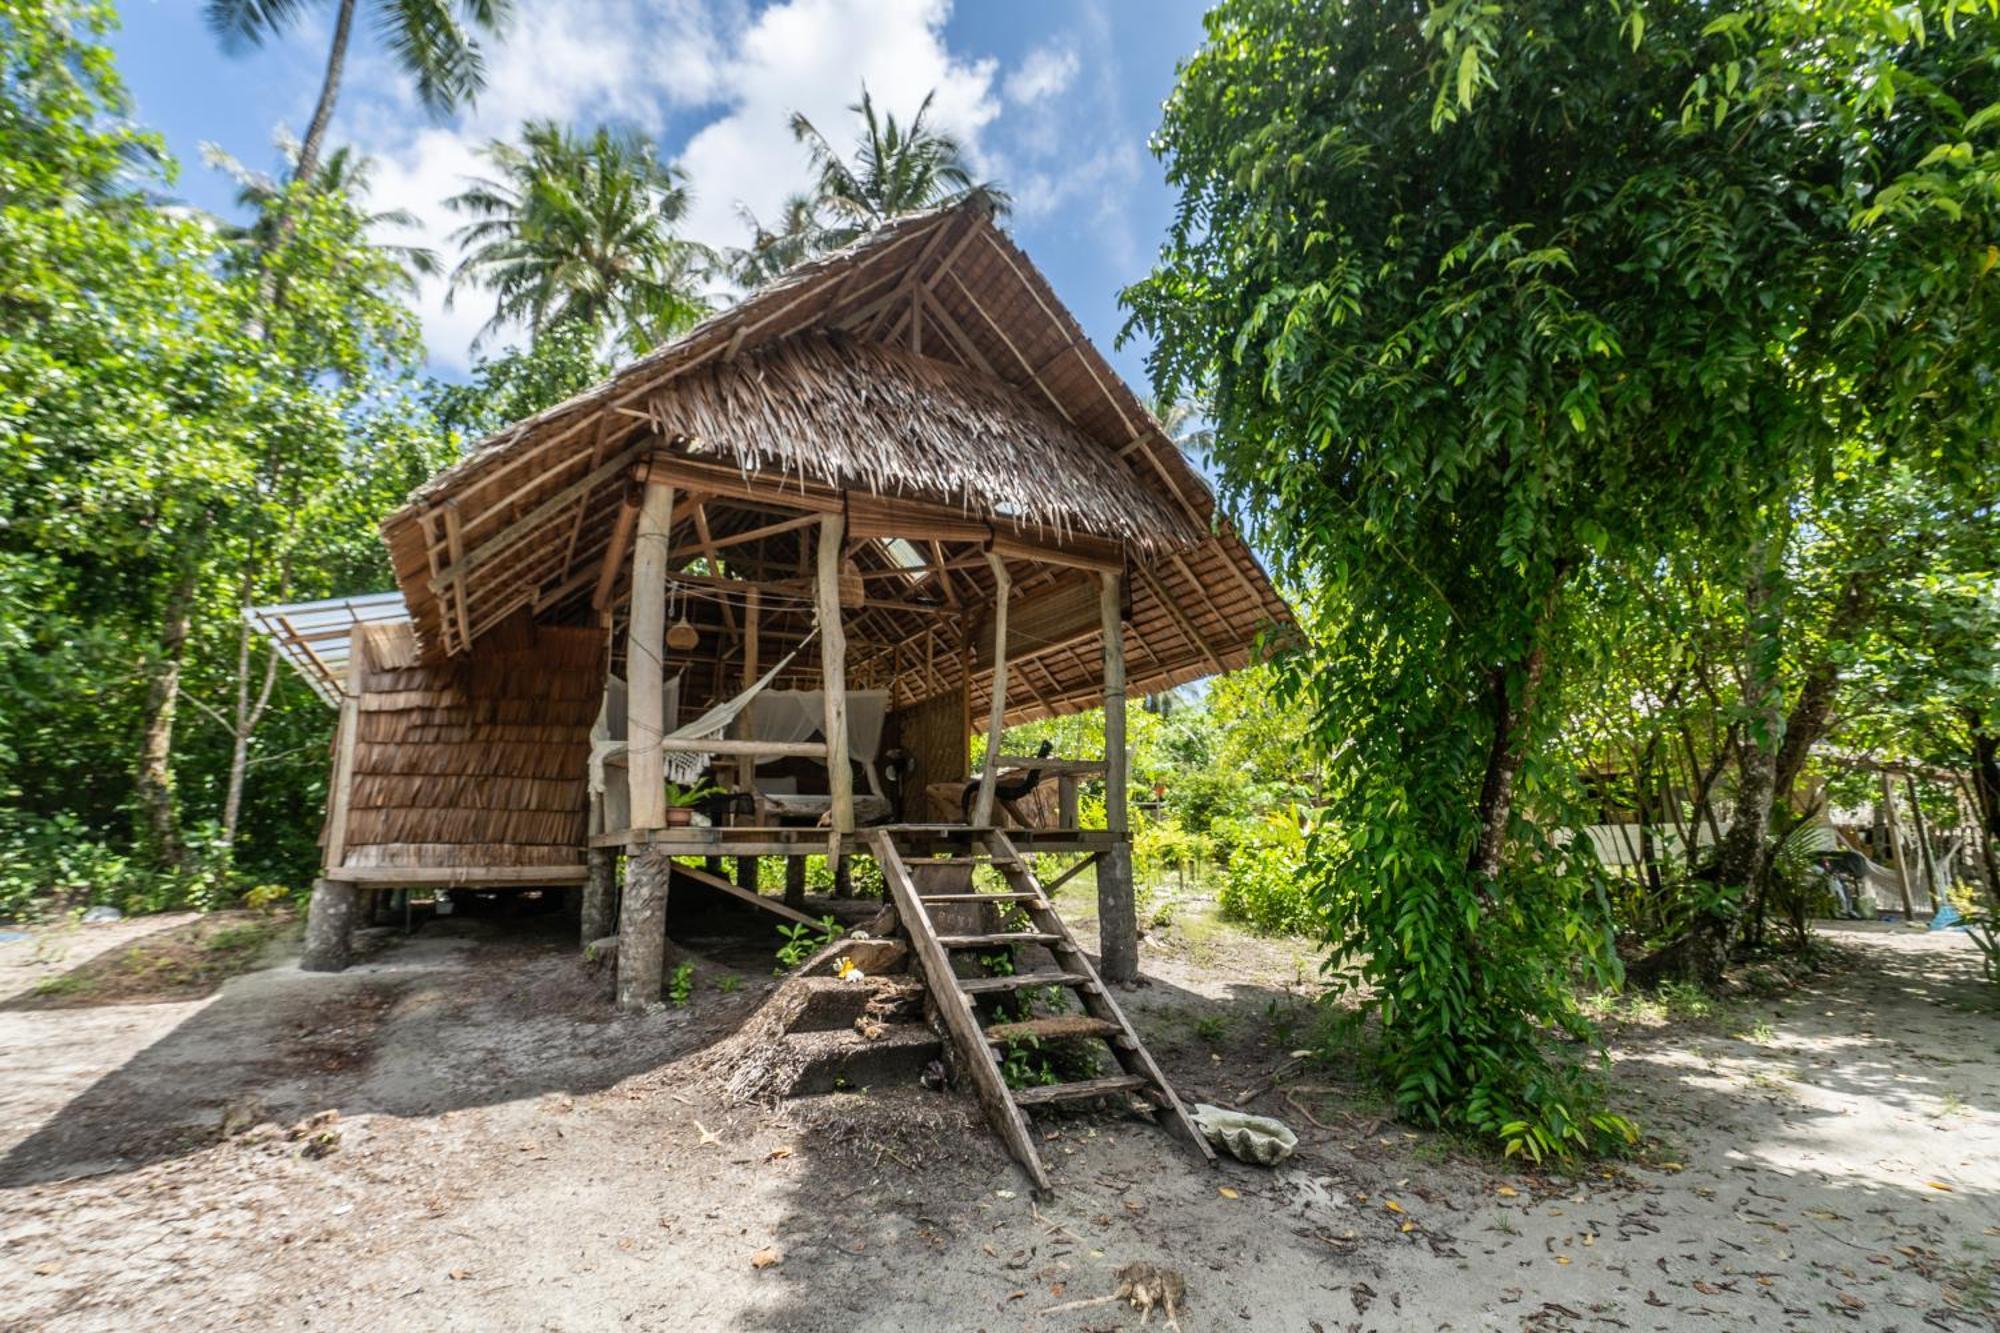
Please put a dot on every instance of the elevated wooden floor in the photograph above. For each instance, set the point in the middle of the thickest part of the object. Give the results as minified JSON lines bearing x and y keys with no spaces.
{"x":813,"y":842}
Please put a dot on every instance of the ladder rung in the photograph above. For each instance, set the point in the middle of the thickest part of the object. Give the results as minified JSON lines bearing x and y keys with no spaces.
{"x":1054,"y":1028}
{"x":1005,"y":937}
{"x":981,"y":897}
{"x":1070,"y":1092}
{"x":920,"y":862}
{"x":1021,"y":981}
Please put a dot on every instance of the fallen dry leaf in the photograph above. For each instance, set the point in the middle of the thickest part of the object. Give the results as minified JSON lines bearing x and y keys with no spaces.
{"x":777,"y":1154}
{"x":459,"y":1274}
{"x":1227,"y":1192}
{"x":768,"y":1257}
{"x":1507,"y":1192}
{"x":46,"y":1269}
{"x":1938,"y":1185}
{"x":1392,"y":1205}
{"x":1852,"y":1301}
{"x":1562,"y":1258}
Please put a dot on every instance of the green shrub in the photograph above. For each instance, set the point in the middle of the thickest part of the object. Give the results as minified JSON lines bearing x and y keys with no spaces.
{"x":1162,"y":847}
{"x":1264,"y":885}
{"x":54,"y":863}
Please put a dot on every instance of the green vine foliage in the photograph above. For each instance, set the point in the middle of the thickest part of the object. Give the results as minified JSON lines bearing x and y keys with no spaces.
{"x":1481,"y":312}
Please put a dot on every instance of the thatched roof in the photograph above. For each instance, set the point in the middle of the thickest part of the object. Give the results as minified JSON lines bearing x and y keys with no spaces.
{"x":929,"y":364}
{"x":862,"y":416}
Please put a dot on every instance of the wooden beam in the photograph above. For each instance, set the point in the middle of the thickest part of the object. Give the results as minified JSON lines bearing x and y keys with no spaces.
{"x":982,"y":808}
{"x":833,"y":677}
{"x":722,"y":885}
{"x":455,"y":545}
{"x":1180,"y":618}
{"x":342,"y":794}
{"x":614,"y":554}
{"x":705,"y":543}
{"x":725,"y":746}
{"x":512,"y":533}
{"x":758,"y":534}
{"x":465,"y":876}
{"x":645,"y":661}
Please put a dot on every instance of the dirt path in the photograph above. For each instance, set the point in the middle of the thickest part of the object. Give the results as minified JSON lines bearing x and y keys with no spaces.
{"x":502,"y":1154}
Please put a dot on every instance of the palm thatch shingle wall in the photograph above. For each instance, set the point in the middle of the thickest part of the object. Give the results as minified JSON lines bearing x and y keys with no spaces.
{"x":478,"y":761}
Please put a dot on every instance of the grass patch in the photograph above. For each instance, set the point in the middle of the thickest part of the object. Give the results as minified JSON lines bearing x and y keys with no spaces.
{"x":184,"y":963}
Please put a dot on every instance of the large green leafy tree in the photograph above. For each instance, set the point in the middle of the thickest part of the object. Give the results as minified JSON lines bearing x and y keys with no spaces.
{"x":130,"y":393}
{"x":574,"y":229}
{"x":164,"y":458}
{"x":1480,"y":307}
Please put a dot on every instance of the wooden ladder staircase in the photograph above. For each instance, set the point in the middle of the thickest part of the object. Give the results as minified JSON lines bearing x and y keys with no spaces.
{"x":955,"y":996}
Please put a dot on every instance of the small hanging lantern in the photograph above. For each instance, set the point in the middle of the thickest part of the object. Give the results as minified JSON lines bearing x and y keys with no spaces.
{"x":853,"y":589}
{"x":682,"y":636}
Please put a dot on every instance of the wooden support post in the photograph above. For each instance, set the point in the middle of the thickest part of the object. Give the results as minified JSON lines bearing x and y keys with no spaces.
{"x":1117,"y":906}
{"x":795,"y":881}
{"x":645,"y":664}
{"x":746,"y":721}
{"x":833,"y":678}
{"x":1896,"y":846}
{"x":1066,"y":802}
{"x":996,"y":717}
{"x":329,"y":926}
{"x":343,"y":783}
{"x":600,"y":892}
{"x":642,"y":929}
{"x":748,"y":875}
{"x":1924,"y":857}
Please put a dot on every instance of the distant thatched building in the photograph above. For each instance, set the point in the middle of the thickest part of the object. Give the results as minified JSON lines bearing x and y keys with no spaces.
{"x":895,"y":496}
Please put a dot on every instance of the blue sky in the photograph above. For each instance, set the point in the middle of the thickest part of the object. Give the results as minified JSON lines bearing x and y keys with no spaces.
{"x":1054,"y":98}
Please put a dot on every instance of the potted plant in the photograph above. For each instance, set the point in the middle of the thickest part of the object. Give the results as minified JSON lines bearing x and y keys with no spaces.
{"x":681,"y":801}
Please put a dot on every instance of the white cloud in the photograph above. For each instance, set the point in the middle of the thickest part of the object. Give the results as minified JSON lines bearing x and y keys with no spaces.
{"x":653,"y":66}
{"x":1047,"y":71}
{"x":815,"y":56}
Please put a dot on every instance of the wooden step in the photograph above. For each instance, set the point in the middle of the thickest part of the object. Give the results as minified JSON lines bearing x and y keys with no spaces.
{"x":993,"y":941}
{"x":1074,"y":1092}
{"x":1021,"y":981}
{"x":1054,"y":1028}
{"x":981,"y":897}
{"x":925,"y":862}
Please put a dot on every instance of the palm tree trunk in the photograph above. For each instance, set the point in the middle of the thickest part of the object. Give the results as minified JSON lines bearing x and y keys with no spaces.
{"x":159,"y":820}
{"x":307,"y":163}
{"x":329,"y":92}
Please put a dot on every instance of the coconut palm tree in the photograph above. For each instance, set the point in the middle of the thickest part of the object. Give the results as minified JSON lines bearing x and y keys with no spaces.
{"x":581,"y":229}
{"x":345,"y":174}
{"x":896,"y":169}
{"x":1185,"y":425}
{"x":798,"y":236}
{"x":432,"y":40}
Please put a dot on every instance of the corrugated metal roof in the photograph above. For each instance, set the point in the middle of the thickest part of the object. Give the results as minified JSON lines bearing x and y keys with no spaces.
{"x":316,"y":637}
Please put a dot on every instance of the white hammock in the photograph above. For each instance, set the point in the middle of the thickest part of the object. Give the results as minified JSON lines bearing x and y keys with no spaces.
{"x":684,"y":768}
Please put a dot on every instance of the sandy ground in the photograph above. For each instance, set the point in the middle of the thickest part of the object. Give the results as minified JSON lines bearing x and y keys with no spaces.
{"x":501,"y":1153}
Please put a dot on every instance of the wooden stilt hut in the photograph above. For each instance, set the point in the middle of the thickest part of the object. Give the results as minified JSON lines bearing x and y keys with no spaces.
{"x":802,"y":553}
